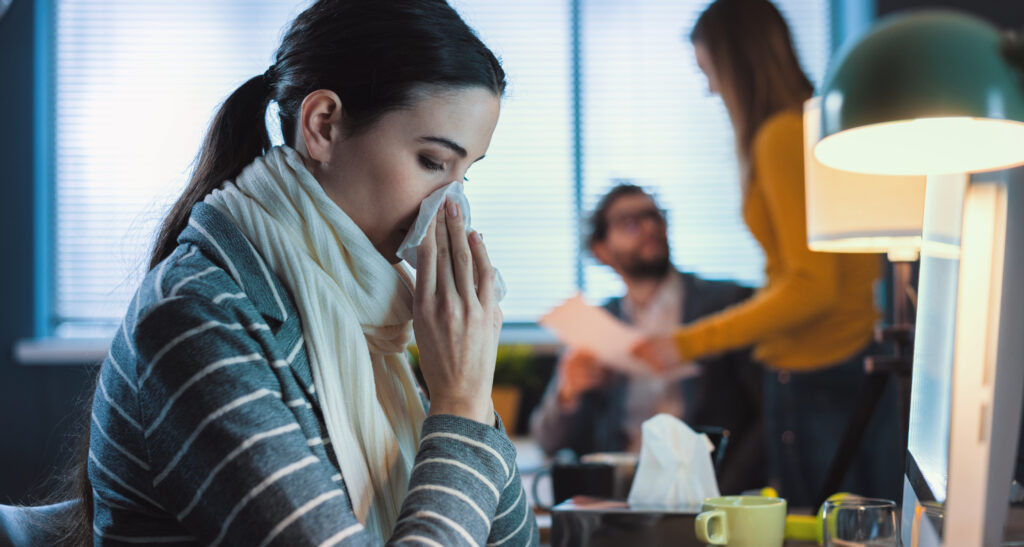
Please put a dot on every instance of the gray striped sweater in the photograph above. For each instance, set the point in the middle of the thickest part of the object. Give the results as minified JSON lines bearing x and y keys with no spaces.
{"x":206,"y":427}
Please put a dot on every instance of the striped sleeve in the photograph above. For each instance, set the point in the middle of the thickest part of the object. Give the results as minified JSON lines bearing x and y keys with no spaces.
{"x":514,"y":524}
{"x":465,"y":488}
{"x":228,"y":459}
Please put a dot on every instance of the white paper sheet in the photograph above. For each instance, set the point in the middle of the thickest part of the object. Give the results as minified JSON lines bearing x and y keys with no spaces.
{"x":582,"y":326}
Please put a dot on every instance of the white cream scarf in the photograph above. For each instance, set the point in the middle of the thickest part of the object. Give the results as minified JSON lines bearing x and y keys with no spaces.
{"x":356,"y":312}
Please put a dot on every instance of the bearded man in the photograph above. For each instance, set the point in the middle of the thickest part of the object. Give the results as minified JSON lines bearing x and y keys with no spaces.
{"x":591,"y":408}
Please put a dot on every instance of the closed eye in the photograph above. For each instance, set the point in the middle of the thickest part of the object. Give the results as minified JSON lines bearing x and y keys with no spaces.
{"x":430,"y":164}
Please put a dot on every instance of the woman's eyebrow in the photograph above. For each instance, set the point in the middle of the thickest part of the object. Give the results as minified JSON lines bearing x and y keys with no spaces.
{"x":447,"y":143}
{"x":450,"y":144}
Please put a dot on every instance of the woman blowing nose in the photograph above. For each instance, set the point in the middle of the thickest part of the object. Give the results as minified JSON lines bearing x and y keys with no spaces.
{"x":812,"y":322}
{"x":258,"y":391}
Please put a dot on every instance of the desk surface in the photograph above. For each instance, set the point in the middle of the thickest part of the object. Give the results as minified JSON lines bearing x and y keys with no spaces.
{"x":1014,"y":530}
{"x":532,"y":460}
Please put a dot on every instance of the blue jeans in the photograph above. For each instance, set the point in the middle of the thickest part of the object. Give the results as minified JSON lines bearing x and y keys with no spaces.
{"x":806,"y":414}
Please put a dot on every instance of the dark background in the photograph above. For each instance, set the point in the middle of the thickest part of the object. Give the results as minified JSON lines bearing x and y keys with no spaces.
{"x":38,"y":404}
{"x":1002,"y":13}
{"x":41,"y":406}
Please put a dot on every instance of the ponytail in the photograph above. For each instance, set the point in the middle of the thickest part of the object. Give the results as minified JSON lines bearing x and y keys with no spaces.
{"x":236,"y":137}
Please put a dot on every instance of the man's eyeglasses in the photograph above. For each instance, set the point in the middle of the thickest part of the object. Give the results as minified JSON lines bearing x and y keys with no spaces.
{"x":631,"y":223}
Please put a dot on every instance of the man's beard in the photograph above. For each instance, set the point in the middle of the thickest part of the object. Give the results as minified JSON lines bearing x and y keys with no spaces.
{"x":652,"y":268}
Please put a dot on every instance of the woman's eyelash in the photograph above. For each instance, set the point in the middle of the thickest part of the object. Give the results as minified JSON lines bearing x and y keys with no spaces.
{"x":431,"y":164}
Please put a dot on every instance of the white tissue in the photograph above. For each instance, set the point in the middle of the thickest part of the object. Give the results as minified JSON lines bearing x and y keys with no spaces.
{"x":428,"y":208}
{"x":675,"y":466}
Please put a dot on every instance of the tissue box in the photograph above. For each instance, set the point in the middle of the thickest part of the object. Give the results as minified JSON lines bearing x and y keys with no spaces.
{"x":593,"y":522}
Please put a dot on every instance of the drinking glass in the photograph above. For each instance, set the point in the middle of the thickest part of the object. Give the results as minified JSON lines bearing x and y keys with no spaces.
{"x":861,"y":522}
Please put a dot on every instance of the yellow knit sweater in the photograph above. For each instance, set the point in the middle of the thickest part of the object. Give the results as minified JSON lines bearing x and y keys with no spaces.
{"x":815,"y":308}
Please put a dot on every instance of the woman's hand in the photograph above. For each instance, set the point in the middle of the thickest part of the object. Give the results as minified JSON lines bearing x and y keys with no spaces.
{"x":660,"y":352}
{"x":578,"y":372}
{"x":456,"y":318}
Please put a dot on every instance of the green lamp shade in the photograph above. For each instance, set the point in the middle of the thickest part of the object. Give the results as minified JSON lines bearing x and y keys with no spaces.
{"x":924,"y":93}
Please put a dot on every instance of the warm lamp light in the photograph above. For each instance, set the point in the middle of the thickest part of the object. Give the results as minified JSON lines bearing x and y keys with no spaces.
{"x":924,"y":94}
{"x":850,"y":212}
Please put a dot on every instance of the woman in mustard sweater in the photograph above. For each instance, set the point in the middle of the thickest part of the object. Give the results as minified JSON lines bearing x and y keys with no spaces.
{"x":812,"y":322}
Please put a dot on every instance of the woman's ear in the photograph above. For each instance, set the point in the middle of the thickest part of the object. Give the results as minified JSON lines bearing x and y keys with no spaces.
{"x":320,"y":124}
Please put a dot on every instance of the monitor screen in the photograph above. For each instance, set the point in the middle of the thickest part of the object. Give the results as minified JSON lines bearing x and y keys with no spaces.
{"x":931,"y":391}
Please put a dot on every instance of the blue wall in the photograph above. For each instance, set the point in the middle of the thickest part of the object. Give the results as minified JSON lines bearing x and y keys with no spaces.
{"x":37,"y":404}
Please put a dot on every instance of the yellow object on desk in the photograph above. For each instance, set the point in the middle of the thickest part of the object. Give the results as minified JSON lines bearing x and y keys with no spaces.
{"x":805,"y":527}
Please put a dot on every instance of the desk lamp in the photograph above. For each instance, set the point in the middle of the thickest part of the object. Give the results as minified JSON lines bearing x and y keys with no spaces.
{"x":939,"y":94}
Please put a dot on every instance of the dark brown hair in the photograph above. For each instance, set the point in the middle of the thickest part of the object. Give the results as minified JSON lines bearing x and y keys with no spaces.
{"x":757,"y":69}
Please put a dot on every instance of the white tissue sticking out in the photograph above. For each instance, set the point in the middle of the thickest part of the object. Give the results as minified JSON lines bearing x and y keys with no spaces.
{"x":675,"y":467}
{"x":428,"y":208}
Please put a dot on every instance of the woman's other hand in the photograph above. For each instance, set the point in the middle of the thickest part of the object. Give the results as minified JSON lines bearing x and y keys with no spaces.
{"x":456,"y":318}
{"x":578,"y":372}
{"x":660,"y":352}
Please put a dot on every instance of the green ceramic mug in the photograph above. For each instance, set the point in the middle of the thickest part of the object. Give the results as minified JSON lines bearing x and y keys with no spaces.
{"x":742,"y":521}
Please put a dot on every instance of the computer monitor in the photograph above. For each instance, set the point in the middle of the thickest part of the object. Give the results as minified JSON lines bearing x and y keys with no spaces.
{"x":968,"y":374}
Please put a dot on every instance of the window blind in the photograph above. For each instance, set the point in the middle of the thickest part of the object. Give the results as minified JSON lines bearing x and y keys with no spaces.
{"x":137,"y":83}
{"x":522,"y":193}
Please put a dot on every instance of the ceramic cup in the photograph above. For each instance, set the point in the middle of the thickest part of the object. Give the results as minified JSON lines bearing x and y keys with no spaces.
{"x":742,"y":521}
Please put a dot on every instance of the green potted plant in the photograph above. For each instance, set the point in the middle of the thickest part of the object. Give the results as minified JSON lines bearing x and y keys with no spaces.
{"x":514,"y":371}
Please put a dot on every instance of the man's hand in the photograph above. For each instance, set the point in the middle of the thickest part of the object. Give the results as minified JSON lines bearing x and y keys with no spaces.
{"x":659,"y":352}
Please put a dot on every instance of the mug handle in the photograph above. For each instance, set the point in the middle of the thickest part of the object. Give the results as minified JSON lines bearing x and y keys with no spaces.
{"x":533,"y":488}
{"x":705,"y":521}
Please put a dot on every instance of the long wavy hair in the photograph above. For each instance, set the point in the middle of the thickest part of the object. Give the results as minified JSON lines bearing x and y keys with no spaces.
{"x":757,"y":68}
